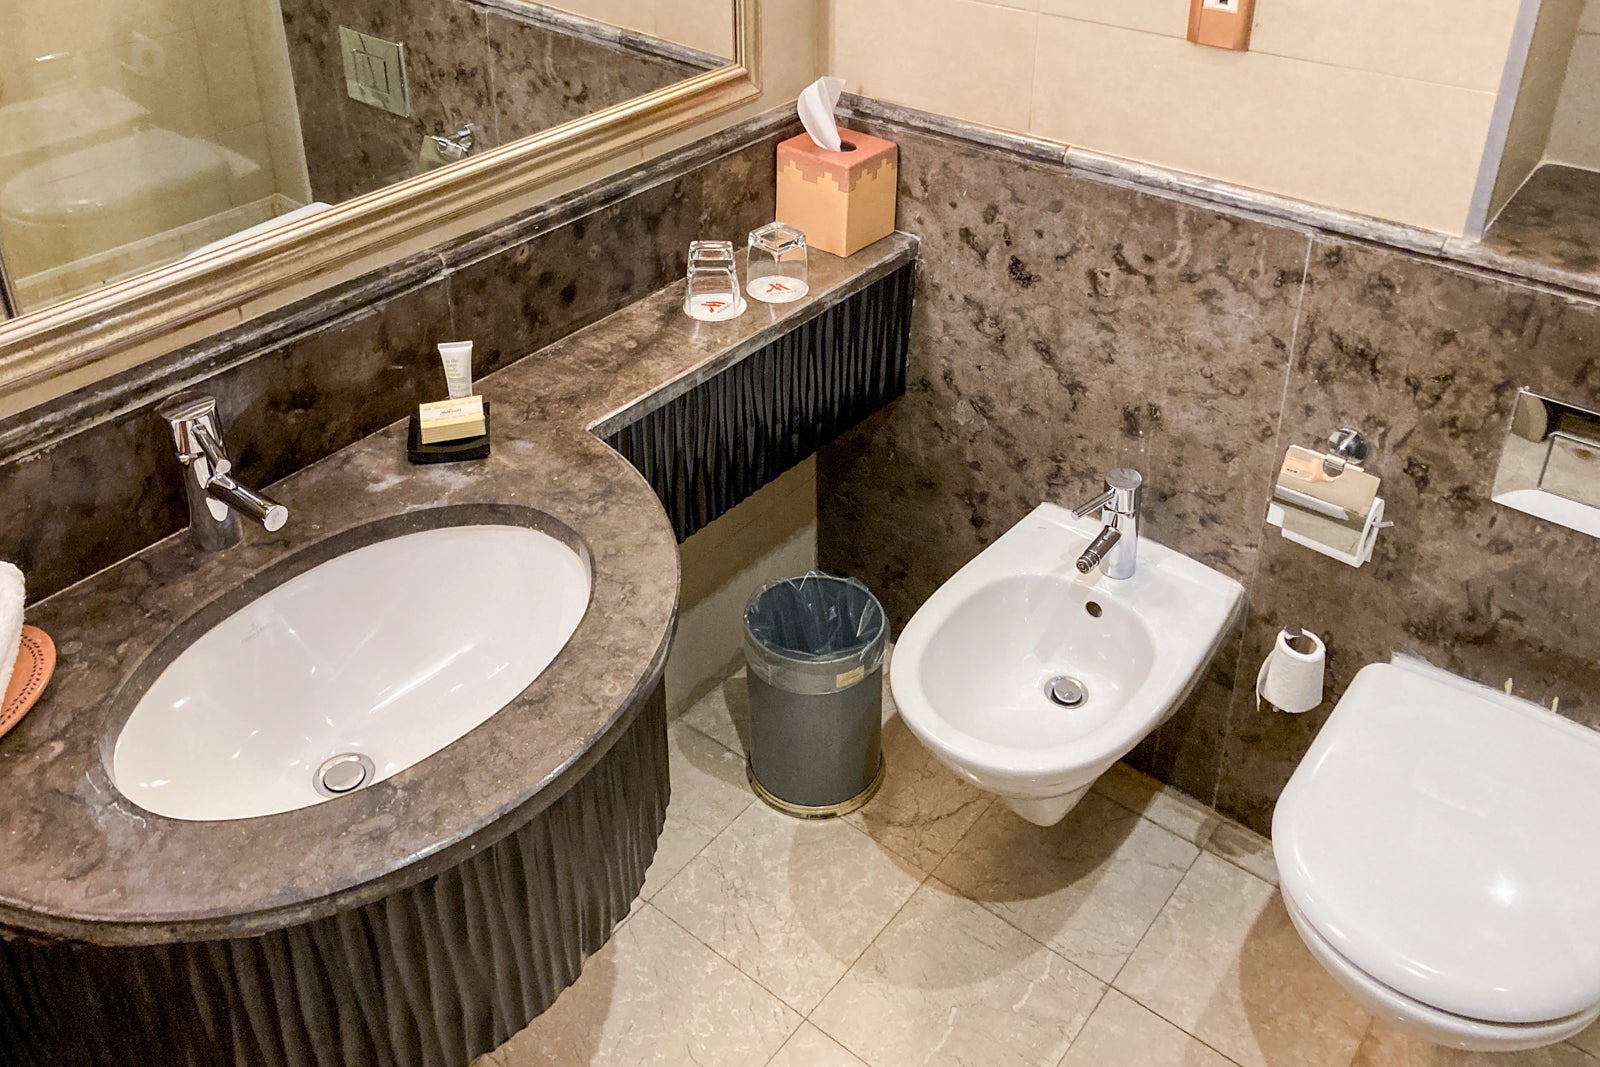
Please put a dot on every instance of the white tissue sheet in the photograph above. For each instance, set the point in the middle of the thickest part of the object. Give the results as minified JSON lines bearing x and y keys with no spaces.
{"x":11,"y":598}
{"x":816,"y":105}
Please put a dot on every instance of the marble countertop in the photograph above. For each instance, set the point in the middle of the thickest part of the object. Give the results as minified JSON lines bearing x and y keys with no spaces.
{"x":77,"y":859}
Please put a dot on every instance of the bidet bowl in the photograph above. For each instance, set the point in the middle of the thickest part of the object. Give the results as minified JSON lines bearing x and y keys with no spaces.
{"x":973,"y":671}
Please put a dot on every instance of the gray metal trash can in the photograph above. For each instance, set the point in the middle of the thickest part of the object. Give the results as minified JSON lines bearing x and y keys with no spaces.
{"x":814,"y":646}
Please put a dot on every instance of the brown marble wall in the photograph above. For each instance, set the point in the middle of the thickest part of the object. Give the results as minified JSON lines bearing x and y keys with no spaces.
{"x":1066,"y":325}
{"x":509,"y":76}
{"x":90,"y":479}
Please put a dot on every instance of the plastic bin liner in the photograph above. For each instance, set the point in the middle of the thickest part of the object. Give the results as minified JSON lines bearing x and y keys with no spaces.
{"x":814,"y":634}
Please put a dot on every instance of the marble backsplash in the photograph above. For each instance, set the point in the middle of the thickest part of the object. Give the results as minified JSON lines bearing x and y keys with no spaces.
{"x":90,"y":479}
{"x":510,"y":76}
{"x":1066,"y":324}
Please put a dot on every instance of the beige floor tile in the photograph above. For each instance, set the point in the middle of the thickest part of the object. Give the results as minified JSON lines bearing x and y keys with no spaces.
{"x":1387,"y":1046}
{"x":1223,"y":962}
{"x":655,"y":997}
{"x":1162,"y":805}
{"x":1120,"y":1033}
{"x":948,"y":983}
{"x":1589,"y":1040}
{"x":708,"y":792}
{"x":1245,"y":848}
{"x":922,"y":809}
{"x":724,"y":714}
{"x":810,"y":1047}
{"x":1089,"y":887}
{"x":791,"y":903}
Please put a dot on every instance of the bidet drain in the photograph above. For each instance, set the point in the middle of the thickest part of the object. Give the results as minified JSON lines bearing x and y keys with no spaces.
{"x":1066,"y":692}
{"x":344,"y":773}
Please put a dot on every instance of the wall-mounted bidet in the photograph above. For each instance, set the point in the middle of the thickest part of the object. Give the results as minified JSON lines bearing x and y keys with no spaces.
{"x":1031,"y":679}
{"x":1436,"y":850}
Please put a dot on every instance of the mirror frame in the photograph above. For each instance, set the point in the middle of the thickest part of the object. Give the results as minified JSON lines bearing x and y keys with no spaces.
{"x":61,"y":347}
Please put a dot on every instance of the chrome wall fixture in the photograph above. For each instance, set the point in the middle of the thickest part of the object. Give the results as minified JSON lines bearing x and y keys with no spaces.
{"x":1550,"y":463}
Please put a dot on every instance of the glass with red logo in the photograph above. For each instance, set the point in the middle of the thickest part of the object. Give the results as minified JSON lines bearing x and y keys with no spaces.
{"x":776,"y":269}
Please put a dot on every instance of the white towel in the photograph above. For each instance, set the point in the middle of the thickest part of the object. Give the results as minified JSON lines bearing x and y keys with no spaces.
{"x":11,"y":597}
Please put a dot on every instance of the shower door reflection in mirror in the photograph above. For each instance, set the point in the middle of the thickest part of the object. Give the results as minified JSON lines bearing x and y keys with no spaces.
{"x":136,"y":133}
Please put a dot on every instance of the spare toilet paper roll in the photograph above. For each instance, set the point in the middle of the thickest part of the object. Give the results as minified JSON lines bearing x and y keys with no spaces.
{"x":1291,"y":680}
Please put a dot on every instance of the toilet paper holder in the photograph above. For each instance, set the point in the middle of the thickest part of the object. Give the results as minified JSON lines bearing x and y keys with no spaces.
{"x":1326,"y":502}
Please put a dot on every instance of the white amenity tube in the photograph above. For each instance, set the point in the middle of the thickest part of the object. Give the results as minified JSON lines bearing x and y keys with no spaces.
{"x":457,"y":356}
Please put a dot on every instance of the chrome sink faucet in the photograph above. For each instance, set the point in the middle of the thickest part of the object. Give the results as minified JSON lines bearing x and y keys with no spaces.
{"x":215,"y":500}
{"x":1117,"y":543}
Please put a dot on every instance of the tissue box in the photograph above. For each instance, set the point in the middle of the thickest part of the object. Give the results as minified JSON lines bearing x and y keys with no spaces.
{"x":842,"y":201}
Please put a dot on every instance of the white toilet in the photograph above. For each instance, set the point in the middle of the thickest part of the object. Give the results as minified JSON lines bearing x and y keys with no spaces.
{"x":112,"y":194}
{"x":1439,"y":853}
{"x":1030,"y":680}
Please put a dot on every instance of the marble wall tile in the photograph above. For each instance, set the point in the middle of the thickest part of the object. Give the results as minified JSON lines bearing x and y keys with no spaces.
{"x":537,"y":284}
{"x":541,"y":77}
{"x":1065,"y":326}
{"x":508,"y":77}
{"x":1427,"y":360}
{"x":93,"y":475}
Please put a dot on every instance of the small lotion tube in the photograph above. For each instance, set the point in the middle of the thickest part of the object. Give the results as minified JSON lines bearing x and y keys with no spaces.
{"x":457,"y":356}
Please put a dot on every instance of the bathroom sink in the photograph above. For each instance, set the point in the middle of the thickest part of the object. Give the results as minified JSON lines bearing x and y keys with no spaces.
{"x":350,"y":672}
{"x":1031,"y":679}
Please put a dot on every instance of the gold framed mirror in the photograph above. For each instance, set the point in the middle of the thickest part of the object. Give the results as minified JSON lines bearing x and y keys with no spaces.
{"x":65,"y":345}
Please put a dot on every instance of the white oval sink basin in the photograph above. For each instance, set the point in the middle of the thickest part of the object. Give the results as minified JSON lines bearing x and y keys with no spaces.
{"x":351,"y":672}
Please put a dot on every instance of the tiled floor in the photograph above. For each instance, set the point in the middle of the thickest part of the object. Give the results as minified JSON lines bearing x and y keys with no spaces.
{"x":934,"y":927}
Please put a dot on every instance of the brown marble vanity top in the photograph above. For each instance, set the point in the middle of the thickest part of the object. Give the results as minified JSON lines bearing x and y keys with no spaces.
{"x":79,"y":860}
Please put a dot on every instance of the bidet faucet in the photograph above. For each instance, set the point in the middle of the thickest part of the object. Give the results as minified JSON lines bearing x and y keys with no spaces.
{"x":1117,"y":543}
{"x":215,"y":500}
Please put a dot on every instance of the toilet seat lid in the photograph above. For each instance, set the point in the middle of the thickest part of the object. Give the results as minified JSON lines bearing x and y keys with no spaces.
{"x":1445,"y":839}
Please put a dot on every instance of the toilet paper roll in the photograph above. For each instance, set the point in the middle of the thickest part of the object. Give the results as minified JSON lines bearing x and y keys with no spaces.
{"x":1291,"y":680}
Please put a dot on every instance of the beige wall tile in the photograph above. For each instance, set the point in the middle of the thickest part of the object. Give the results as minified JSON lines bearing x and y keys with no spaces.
{"x":655,"y":997}
{"x":1276,"y":134}
{"x":947,"y":983}
{"x":1460,"y":44}
{"x":955,"y":57}
{"x":1088,"y":887}
{"x":1538,"y":97}
{"x":1575,"y":130}
{"x":1120,"y":1033}
{"x":791,"y":903}
{"x":1169,"y":17}
{"x":230,"y":74}
{"x":1223,"y":962}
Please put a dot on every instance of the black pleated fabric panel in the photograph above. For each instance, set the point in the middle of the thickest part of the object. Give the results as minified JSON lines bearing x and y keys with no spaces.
{"x":711,"y":448}
{"x":432,"y":976}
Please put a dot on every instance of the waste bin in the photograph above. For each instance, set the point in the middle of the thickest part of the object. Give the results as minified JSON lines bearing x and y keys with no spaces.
{"x":814,"y":646}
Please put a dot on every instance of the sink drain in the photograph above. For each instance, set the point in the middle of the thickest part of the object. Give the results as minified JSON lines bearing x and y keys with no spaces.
{"x":1066,"y":692}
{"x":344,"y":773}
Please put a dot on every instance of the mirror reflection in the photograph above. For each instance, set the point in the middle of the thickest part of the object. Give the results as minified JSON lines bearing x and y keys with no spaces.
{"x":134,"y":134}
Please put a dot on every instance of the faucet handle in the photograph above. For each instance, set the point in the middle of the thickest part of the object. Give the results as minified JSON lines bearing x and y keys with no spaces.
{"x":192,"y":418}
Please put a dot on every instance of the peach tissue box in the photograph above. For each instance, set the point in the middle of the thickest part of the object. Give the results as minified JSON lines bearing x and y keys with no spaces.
{"x":842,"y":201}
